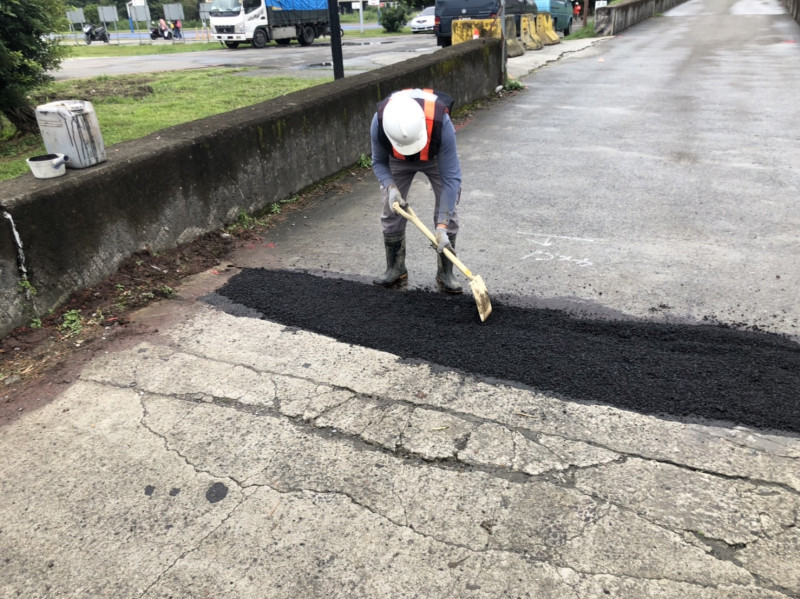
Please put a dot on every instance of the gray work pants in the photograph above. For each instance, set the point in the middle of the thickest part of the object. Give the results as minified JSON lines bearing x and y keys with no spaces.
{"x":403,"y":172}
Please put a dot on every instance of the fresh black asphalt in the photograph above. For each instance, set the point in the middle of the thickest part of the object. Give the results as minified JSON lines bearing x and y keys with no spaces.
{"x":705,"y":372}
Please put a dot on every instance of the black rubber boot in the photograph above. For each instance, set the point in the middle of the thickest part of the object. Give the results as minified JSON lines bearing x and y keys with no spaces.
{"x":444,"y":273}
{"x":395,"y":244}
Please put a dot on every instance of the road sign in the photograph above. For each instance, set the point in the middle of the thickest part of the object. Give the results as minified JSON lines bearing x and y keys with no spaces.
{"x":75,"y":16}
{"x":108,"y":14}
{"x":173,"y":12}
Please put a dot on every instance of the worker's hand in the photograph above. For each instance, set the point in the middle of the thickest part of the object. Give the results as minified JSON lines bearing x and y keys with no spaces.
{"x":442,"y":240}
{"x":395,"y":196}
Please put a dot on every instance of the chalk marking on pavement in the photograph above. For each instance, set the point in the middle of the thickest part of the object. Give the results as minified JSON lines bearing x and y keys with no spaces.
{"x":549,"y":237}
{"x":542,"y":256}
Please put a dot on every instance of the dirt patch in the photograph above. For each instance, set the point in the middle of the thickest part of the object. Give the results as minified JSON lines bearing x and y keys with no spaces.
{"x":36,"y":361}
{"x":122,"y":86}
{"x":51,"y":353}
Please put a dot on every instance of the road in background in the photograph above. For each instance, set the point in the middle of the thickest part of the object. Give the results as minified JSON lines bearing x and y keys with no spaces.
{"x":359,"y":55}
{"x":192,"y":34}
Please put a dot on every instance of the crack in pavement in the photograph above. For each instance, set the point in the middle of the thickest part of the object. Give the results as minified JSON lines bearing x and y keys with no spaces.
{"x":602,"y":505}
{"x":457,"y":414}
{"x":198,"y":544}
{"x":495,"y":471}
{"x":472,"y":419}
{"x":310,"y":425}
{"x":197,"y":470}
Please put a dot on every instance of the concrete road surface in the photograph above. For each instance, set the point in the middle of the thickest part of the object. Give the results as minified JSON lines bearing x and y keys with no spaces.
{"x":653,"y":177}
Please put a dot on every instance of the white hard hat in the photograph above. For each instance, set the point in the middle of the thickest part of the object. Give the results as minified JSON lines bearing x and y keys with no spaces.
{"x":404,"y":124}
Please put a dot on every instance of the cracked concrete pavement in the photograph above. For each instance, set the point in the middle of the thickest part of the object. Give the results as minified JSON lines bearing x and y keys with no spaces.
{"x":285,"y":464}
{"x":217,"y":456}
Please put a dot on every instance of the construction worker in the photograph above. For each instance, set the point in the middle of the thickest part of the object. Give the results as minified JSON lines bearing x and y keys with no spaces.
{"x":412,"y":133}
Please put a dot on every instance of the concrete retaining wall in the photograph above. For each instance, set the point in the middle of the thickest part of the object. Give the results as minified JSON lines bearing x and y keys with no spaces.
{"x":611,"y":20}
{"x":793,"y":8}
{"x":179,"y":183}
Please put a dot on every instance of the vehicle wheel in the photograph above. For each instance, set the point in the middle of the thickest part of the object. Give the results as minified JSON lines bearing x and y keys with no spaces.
{"x":260,"y":38}
{"x":305,"y":35}
{"x":568,"y":28}
{"x":88,"y":40}
{"x":232,"y":44}
{"x":284,"y":41}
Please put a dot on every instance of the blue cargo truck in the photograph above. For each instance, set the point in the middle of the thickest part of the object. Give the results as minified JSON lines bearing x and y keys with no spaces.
{"x":258,"y":22}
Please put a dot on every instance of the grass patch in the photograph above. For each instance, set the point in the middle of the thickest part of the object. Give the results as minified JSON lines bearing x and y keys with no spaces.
{"x":133,"y":106}
{"x":583,"y":32}
{"x":350,"y":34}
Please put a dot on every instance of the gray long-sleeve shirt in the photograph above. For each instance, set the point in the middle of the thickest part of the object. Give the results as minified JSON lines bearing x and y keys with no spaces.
{"x":447,"y":157}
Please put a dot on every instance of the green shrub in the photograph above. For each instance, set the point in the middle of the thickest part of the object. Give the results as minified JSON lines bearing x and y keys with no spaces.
{"x":393,"y":18}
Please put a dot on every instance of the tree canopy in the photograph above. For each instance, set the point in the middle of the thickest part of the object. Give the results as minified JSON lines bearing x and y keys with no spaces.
{"x":28,"y":50}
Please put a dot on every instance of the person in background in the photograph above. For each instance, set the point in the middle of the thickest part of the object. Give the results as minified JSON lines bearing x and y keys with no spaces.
{"x":411,"y":132}
{"x":178,"y":26}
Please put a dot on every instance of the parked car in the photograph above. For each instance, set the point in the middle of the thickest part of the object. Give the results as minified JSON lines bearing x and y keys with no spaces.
{"x":447,"y":10}
{"x":423,"y":22}
{"x":562,"y":12}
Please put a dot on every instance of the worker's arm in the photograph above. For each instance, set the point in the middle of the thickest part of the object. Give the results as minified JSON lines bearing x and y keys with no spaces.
{"x":380,"y":157}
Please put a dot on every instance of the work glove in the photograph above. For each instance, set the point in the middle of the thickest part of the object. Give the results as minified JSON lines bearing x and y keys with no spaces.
{"x":395,"y":196}
{"x":442,"y":240}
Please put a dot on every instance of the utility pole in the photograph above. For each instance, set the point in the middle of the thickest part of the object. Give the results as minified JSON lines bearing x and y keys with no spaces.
{"x":336,"y":39}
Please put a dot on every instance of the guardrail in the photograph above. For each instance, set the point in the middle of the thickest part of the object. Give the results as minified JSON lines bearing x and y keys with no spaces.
{"x":612,"y":20}
{"x":793,"y":8}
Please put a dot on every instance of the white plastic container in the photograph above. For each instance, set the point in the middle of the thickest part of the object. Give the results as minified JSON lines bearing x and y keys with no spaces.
{"x":70,"y":127}
{"x":47,"y":166}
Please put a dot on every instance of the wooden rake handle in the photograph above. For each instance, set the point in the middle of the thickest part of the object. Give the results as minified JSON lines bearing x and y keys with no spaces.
{"x":410,"y":215}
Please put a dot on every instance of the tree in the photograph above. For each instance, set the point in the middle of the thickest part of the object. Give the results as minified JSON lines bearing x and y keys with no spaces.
{"x":27,"y":52}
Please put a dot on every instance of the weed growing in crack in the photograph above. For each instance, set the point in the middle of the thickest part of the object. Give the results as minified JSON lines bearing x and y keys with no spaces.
{"x":72,"y":322}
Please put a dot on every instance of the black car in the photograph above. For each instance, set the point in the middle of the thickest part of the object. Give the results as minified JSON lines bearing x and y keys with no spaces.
{"x":447,"y":10}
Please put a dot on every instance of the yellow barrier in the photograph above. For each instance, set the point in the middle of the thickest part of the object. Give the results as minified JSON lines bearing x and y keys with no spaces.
{"x":469,"y":29}
{"x":528,"y":36}
{"x":544,"y":28}
{"x":463,"y":30}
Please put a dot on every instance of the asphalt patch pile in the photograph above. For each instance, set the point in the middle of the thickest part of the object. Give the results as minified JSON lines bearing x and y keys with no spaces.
{"x":707,"y":372}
